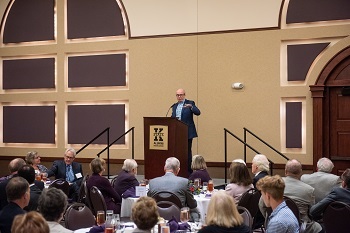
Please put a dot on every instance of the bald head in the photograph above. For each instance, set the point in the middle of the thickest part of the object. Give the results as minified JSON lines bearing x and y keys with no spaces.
{"x":293,"y":169}
{"x":15,"y":165}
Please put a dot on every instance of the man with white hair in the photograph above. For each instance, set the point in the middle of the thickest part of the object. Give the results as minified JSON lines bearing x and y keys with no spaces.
{"x":127,"y":177}
{"x":260,"y":167}
{"x":178,"y":185}
{"x":322,"y":180}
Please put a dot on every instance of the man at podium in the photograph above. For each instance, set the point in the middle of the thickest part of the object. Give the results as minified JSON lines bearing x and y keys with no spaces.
{"x":184,"y":110}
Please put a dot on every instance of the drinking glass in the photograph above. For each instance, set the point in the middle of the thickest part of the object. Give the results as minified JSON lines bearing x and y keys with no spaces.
{"x":210,"y":185}
{"x":165,"y":229}
{"x":197,"y":182}
{"x":100,"y":217}
{"x":185,"y":214}
{"x":43,"y":176}
{"x":205,"y":186}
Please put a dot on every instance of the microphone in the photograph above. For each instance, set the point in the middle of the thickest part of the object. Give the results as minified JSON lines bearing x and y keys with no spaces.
{"x":169,"y":109}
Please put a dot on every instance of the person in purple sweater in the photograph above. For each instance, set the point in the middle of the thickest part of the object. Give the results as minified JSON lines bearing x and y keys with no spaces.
{"x":112,"y":198}
{"x":199,"y":168}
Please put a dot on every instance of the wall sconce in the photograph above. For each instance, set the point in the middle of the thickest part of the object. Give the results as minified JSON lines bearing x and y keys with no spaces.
{"x":237,"y":86}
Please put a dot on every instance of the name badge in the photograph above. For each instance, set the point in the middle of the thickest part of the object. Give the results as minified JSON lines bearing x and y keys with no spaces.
{"x":78,"y":175}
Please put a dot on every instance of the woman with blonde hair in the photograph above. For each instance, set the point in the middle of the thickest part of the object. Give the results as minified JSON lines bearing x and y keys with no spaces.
{"x":240,"y":181}
{"x":30,"y":222}
{"x":223,"y":216}
{"x":199,"y":168}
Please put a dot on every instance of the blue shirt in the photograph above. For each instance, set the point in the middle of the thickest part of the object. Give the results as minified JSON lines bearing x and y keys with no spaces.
{"x":282,"y":220}
{"x":179,"y":109}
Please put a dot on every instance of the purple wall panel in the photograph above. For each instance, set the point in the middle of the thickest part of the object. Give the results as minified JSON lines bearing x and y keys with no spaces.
{"x":29,"y":124}
{"x":29,"y":73}
{"x":87,"y":121}
{"x":293,"y":125}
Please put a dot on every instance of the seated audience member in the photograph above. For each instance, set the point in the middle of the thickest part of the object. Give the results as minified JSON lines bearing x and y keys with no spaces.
{"x":322,"y":180}
{"x":223,"y":216}
{"x":240,"y":181}
{"x":33,"y":159}
{"x":337,"y":194}
{"x":178,"y":185}
{"x":112,"y":198}
{"x":13,"y":166}
{"x":32,"y":222}
{"x":28,"y":173}
{"x":301,"y":193}
{"x":260,"y":167}
{"x":144,"y":214}
{"x":199,"y":168}
{"x":70,"y":171}
{"x":18,"y":195}
{"x":126,"y":178}
{"x":52,"y":205}
{"x":282,"y":219}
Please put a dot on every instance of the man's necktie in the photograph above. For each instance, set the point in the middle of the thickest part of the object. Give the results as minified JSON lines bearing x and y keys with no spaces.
{"x":69,"y":173}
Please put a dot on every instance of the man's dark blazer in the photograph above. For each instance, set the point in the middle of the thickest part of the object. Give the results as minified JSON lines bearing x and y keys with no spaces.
{"x":258,"y":177}
{"x":187,"y":117}
{"x":58,"y":170}
{"x":35,"y":193}
{"x":124,"y":181}
{"x":9,"y":212}
{"x":337,"y":194}
{"x":3,"y":195}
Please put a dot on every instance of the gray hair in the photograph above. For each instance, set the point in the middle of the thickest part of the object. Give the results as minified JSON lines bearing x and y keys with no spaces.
{"x":172,"y":163}
{"x":325,"y":165}
{"x":52,"y":204}
{"x":71,"y":150}
{"x":129,"y":164}
{"x":262,"y":162}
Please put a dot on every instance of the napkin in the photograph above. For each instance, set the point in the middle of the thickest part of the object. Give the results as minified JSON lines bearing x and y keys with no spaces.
{"x":131,"y":192}
{"x":97,"y":229}
{"x":174,"y":225}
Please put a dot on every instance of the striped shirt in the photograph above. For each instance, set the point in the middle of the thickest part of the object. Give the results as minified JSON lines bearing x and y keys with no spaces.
{"x":282,"y":220}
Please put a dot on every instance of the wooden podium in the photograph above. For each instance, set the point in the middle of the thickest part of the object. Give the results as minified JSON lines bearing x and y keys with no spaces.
{"x":164,"y":137}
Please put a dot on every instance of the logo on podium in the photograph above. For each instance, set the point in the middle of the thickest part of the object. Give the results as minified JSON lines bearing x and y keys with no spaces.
{"x":158,"y":137}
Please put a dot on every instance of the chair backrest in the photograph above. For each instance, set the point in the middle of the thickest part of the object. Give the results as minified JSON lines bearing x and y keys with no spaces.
{"x":250,"y":200}
{"x":61,"y":184}
{"x":97,"y":200}
{"x":247,"y":218}
{"x":78,"y":216}
{"x":82,"y":198}
{"x":336,"y":217}
{"x":293,"y":207}
{"x":167,"y":210}
{"x":113,"y":180}
{"x":168,"y":196}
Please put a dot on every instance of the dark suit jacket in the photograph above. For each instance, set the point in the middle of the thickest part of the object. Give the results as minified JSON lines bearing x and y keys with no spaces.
{"x":187,"y":117}
{"x":7,"y":215}
{"x":58,"y":170}
{"x":3,"y":196}
{"x":258,"y":177}
{"x":112,"y":198}
{"x":124,"y":181}
{"x":337,"y":194}
{"x":35,"y":193}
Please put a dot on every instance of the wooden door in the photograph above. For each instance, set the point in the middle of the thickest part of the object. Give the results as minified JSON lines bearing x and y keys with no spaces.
{"x":339,"y":129}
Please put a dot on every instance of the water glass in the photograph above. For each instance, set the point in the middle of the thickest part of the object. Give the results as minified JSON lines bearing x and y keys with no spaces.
{"x":100,"y":217}
{"x":185,"y":214}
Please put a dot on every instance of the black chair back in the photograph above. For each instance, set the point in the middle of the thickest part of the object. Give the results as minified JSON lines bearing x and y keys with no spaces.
{"x":82,"y":198}
{"x":78,"y":216}
{"x":167,"y":196}
{"x":247,"y":218}
{"x":97,"y":200}
{"x":61,"y":184}
{"x":250,"y":201}
{"x":167,"y":210}
{"x":336,"y":217}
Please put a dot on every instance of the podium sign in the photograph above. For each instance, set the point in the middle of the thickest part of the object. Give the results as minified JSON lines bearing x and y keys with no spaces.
{"x":158,"y":137}
{"x":164,"y":137}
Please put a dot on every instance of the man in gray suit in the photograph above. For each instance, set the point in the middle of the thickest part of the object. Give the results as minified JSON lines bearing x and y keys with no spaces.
{"x":178,"y":185}
{"x":301,"y":193}
{"x":322,"y":180}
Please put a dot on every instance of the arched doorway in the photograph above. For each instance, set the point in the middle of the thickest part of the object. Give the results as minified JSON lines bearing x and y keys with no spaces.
{"x":331,"y":112}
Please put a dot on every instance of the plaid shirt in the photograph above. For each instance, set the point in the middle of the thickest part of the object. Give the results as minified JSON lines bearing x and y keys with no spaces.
{"x":282,"y":220}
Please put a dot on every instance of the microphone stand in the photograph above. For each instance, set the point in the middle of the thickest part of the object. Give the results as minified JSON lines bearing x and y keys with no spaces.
{"x":169,"y":110}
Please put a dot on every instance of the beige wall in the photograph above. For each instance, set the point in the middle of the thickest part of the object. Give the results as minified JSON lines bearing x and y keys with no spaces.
{"x":205,"y":65}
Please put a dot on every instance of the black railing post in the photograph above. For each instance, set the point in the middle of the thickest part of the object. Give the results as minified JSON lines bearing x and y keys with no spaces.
{"x":225,"y":136}
{"x":132,"y":146}
{"x":108,"y":153}
{"x":245,"y":146}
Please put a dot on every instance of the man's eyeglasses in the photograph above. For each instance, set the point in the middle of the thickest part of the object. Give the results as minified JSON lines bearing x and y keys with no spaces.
{"x":178,"y":95}
{"x":68,"y":157}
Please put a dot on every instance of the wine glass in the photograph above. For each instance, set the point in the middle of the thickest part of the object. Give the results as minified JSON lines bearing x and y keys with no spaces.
{"x":185,"y":214}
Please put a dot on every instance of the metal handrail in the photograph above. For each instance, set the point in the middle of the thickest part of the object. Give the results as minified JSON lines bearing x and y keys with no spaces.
{"x":244,"y":142}
{"x":110,"y":144}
